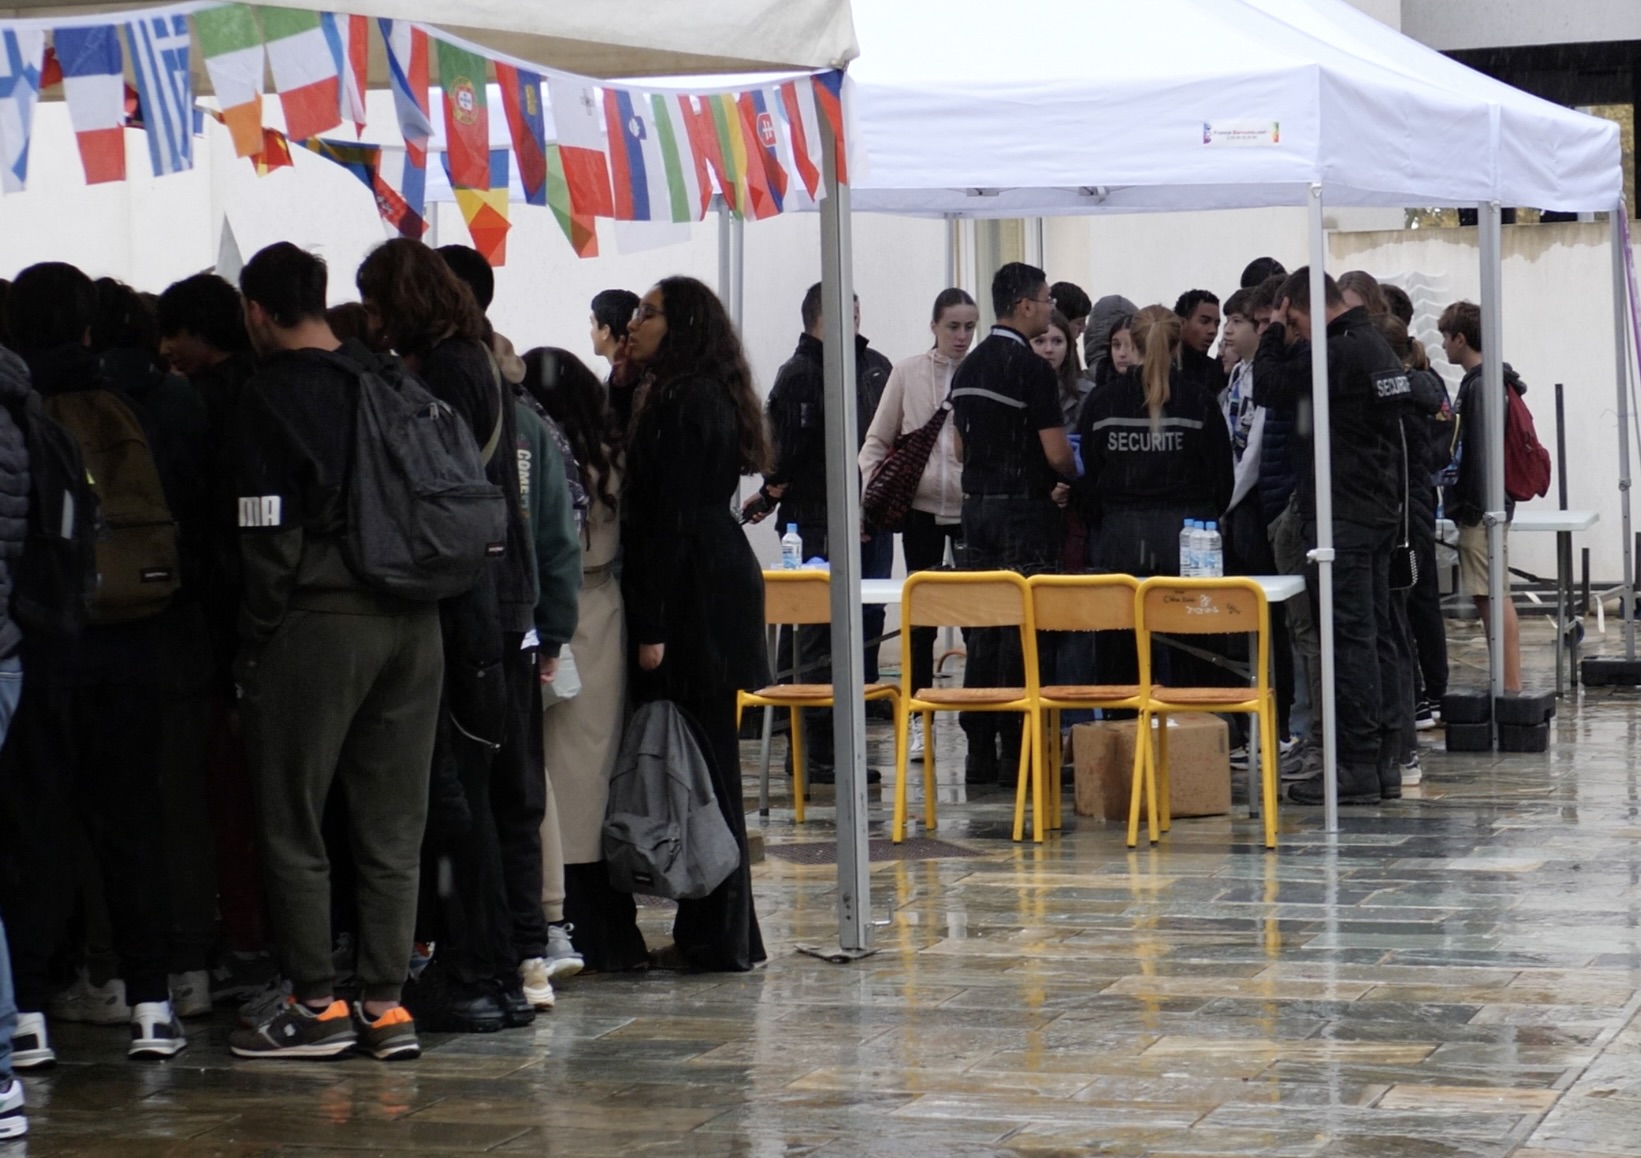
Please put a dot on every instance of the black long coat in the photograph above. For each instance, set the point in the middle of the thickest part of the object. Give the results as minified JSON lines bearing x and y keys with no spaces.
{"x":689,"y":577}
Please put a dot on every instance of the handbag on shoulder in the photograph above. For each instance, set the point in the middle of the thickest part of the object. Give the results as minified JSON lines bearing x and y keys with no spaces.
{"x":888,"y":497}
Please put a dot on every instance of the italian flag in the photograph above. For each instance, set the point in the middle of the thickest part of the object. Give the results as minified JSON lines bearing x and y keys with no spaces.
{"x":232,"y":46}
{"x":304,"y":71}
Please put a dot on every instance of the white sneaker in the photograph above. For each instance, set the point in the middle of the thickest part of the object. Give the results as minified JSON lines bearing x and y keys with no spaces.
{"x":1412,"y":773}
{"x":563,"y":962}
{"x":191,"y":993}
{"x":92,"y":1004}
{"x":260,"y":1009}
{"x":156,"y":1031}
{"x":914,"y":742}
{"x":538,"y":985}
{"x":13,"y":1122}
{"x":30,"y":1047}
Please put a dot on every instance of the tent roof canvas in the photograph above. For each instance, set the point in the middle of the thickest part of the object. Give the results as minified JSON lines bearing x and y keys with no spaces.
{"x":600,"y":40}
{"x":1188,"y":104}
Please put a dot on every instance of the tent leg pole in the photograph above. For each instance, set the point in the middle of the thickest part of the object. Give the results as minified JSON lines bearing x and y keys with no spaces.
{"x":1489,"y":235}
{"x":1621,"y":362}
{"x":843,"y":536}
{"x":1323,"y":555}
{"x":737,"y":269}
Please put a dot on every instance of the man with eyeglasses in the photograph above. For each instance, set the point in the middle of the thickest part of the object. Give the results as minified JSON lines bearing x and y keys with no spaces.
{"x":1012,"y":439}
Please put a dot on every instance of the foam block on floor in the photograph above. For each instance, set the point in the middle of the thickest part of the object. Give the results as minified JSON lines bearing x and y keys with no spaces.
{"x":1524,"y":709}
{"x":1466,"y":707}
{"x":1524,"y":738}
{"x":1470,"y":737}
{"x":1601,"y":671}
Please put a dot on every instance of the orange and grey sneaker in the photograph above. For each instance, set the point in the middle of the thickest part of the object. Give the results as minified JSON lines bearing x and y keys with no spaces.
{"x":391,"y":1037}
{"x":295,"y":1030}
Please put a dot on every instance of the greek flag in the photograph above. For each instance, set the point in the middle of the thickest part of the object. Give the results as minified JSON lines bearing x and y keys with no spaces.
{"x":21,"y":52}
{"x":159,"y":57}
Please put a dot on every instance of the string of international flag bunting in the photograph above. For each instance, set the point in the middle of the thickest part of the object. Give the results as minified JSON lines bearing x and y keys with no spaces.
{"x":588,"y":150}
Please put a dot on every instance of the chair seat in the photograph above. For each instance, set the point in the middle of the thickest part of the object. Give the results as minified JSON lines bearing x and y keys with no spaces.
{"x":1091,"y":692}
{"x":1193,"y":696}
{"x":970,"y":695}
{"x":795,"y":692}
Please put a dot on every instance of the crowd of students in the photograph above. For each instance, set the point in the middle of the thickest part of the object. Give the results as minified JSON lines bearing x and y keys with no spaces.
{"x":238,"y":766}
{"x":1084,"y":434}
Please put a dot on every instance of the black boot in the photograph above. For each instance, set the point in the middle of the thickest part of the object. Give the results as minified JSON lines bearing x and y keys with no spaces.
{"x":1357,"y":786}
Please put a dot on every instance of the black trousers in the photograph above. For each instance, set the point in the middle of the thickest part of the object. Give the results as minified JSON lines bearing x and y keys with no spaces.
{"x":719,"y":932}
{"x":1367,"y":671}
{"x":1424,"y":616}
{"x":86,"y":756}
{"x":923,"y":544}
{"x":519,"y":798}
{"x":1002,"y":532}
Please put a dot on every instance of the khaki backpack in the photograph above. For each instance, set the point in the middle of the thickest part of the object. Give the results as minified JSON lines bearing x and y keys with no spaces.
{"x":138,"y":565}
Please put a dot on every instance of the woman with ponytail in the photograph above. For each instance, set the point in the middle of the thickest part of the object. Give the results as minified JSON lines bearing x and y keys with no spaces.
{"x":1155,"y":453}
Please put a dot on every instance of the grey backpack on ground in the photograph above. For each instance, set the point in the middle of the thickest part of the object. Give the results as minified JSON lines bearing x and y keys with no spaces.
{"x":664,"y":834}
{"x":423,"y":520}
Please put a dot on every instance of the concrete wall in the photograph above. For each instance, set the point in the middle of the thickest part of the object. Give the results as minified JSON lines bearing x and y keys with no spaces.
{"x":1459,"y":24}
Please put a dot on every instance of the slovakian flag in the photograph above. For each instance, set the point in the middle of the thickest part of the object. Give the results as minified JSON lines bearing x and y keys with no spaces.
{"x":579,"y":120}
{"x":22,"y":52}
{"x":828,"y":88}
{"x":485,"y":210}
{"x":466,"y":116}
{"x":688,"y":187}
{"x":232,"y":44}
{"x":766,"y":180}
{"x":165,"y":89}
{"x":527,"y":126}
{"x":304,"y":72}
{"x":350,"y":53}
{"x":94,"y":87}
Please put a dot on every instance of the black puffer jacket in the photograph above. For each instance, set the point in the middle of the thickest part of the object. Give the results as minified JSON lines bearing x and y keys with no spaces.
{"x":14,"y":488}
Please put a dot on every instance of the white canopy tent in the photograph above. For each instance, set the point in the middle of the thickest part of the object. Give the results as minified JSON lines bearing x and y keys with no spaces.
{"x":629,"y":39}
{"x":1176,"y":105}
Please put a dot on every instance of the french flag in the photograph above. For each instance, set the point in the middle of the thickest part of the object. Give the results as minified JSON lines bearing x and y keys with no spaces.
{"x":94,"y":87}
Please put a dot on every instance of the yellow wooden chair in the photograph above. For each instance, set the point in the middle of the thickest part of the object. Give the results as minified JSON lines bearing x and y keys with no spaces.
{"x":1077,"y":603}
{"x":1169,"y":606}
{"x":967,"y":599}
{"x":801,"y":598}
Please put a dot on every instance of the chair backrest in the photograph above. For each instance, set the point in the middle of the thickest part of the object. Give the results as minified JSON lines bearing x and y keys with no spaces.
{"x":797,"y":597}
{"x":1083,"y":602}
{"x":965,"y":599}
{"x":1229,"y":606}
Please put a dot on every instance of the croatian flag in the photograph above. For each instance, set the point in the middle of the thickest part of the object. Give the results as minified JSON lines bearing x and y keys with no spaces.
{"x":407,"y":72}
{"x":94,"y":87}
{"x":401,"y":191}
{"x":159,"y":56}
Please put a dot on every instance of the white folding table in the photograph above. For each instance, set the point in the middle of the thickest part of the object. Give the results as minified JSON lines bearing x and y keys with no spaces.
{"x":1563,"y":525}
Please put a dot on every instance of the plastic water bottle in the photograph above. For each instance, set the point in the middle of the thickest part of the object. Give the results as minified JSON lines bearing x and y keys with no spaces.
{"x":1186,"y":543}
{"x":791,"y":548}
{"x":1199,"y":548}
{"x":1213,"y":563}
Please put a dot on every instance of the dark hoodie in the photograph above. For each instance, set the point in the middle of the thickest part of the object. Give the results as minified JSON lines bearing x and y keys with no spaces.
{"x":1102,"y":319}
{"x":14,"y":488}
{"x":1466,"y":501}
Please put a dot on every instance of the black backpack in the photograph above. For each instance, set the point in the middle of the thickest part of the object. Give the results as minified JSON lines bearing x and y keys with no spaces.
{"x":423,"y":520}
{"x":54,"y":581}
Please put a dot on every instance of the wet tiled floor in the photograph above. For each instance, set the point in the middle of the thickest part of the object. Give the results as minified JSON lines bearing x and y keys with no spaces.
{"x":1455,"y":974}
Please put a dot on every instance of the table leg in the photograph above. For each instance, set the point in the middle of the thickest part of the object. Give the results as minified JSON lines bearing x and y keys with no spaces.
{"x":1563,"y":628}
{"x":773,"y":636}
